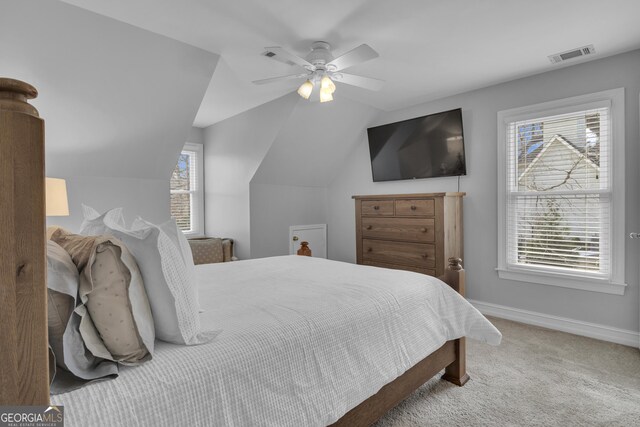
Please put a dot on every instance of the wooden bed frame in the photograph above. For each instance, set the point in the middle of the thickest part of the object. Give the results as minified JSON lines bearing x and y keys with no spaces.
{"x":23,"y":305}
{"x":451,"y":357}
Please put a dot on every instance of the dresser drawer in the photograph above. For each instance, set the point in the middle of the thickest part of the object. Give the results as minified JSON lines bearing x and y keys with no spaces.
{"x":409,"y":229}
{"x":423,"y":207}
{"x":427,"y":271}
{"x":402,"y":253}
{"x":377,"y":207}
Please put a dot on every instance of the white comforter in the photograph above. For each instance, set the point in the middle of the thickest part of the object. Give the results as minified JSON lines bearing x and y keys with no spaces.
{"x":302,"y":341}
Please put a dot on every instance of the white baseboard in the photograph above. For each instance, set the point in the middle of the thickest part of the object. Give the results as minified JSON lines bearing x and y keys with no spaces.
{"x":577,"y":327}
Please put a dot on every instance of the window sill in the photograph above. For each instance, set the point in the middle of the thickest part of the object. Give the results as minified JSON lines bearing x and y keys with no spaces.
{"x":193,"y":235}
{"x":566,"y":281}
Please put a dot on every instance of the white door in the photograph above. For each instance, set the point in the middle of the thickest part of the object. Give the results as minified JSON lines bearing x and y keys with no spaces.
{"x":315,"y":234}
{"x":635,"y":236}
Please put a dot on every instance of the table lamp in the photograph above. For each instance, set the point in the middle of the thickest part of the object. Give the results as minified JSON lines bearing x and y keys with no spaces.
{"x":56,"y":196}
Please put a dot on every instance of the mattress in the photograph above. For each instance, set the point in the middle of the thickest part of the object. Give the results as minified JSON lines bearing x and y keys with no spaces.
{"x":300,"y":341}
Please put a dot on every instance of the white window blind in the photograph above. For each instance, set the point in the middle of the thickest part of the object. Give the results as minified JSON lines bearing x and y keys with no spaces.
{"x":186,"y":190}
{"x":561,"y":192}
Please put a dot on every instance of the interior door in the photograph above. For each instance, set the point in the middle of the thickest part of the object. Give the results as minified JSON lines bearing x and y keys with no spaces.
{"x":636,"y":236}
{"x":315,"y":234}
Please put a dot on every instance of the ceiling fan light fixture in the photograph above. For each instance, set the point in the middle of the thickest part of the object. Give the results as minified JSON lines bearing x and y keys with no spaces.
{"x":327,"y":84}
{"x":325,"y":95}
{"x":322,"y":69}
{"x":305,"y":89}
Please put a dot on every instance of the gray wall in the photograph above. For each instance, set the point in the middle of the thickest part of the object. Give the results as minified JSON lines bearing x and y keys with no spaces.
{"x":480,"y":109}
{"x":233,"y":151}
{"x":148,"y":198}
{"x":268,"y":168}
{"x":289,"y":187}
{"x":276,"y":207}
{"x":118,"y":102}
{"x":196,"y":135}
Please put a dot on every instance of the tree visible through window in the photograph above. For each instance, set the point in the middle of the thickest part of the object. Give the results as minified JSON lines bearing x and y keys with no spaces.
{"x":180,"y":192}
{"x":556,"y":211}
{"x":561,"y":192}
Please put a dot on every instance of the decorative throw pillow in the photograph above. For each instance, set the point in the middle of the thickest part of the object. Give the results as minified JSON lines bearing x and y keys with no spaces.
{"x":172,"y":292}
{"x":207,"y":251}
{"x":113,"y":296}
{"x":227,"y":250}
{"x":65,"y":339}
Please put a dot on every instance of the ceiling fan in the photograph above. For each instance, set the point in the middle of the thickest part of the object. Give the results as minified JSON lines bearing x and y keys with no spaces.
{"x":322,"y":68}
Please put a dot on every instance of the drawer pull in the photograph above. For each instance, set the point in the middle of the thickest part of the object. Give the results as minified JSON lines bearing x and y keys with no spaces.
{"x":423,"y":229}
{"x":369,"y":249}
{"x":413,"y":207}
{"x":425,"y":256}
{"x":368,"y":227}
{"x":376,"y":207}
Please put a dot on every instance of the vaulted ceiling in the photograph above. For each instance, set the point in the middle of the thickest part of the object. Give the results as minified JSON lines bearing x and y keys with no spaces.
{"x":117,"y":101}
{"x":428,"y":48}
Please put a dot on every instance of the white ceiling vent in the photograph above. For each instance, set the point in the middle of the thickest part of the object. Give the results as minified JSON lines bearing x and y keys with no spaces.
{"x":572,"y":54}
{"x":277,"y":57}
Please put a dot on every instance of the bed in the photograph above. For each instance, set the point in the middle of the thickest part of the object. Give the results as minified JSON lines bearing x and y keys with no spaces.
{"x":301,"y":341}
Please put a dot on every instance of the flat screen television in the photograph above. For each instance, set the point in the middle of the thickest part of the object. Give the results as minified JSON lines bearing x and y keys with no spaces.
{"x":424,"y":147}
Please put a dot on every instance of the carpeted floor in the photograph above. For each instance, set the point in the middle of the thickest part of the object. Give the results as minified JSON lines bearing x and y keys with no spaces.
{"x":536,"y":377}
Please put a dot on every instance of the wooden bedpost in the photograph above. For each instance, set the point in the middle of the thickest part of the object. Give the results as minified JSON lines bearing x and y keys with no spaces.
{"x":456,"y":372}
{"x":24,"y":371}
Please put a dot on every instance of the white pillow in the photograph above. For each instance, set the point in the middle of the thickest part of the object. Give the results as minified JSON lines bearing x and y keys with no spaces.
{"x":93,"y":223}
{"x":171,"y":289}
{"x":179,"y":240}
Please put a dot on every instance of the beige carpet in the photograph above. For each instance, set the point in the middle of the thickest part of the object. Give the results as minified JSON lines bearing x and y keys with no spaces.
{"x":536,"y":377}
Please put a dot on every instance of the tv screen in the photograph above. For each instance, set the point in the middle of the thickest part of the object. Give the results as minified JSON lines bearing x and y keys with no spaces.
{"x":424,"y":147}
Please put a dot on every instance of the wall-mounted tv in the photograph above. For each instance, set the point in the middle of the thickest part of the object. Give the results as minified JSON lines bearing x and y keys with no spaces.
{"x":424,"y":147}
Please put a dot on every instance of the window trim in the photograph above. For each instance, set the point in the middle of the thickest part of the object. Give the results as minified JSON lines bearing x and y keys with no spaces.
{"x":615,"y":283}
{"x":197,"y":225}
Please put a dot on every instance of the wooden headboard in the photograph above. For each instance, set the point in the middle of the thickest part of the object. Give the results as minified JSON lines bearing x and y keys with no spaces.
{"x":24,"y":371}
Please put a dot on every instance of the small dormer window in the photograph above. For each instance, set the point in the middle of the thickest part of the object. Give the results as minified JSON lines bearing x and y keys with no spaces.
{"x":187,"y":197}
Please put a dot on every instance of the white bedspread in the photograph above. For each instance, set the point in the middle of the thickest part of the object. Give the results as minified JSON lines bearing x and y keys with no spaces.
{"x":302,"y":341}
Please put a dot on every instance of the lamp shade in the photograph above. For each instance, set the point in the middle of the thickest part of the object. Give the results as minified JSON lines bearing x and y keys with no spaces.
{"x":327,"y":84}
{"x":56,"y":194}
{"x":305,"y":89}
{"x":325,"y":96}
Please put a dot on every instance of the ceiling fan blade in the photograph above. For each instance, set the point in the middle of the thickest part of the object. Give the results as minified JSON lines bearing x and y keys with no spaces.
{"x":360,"y":81}
{"x":355,"y":56}
{"x":281,"y":78}
{"x":285,"y":56}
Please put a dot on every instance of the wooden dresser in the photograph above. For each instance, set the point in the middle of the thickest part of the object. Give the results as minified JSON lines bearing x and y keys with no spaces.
{"x":416,"y":232}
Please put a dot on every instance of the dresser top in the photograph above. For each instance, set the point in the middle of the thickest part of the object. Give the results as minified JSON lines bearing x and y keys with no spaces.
{"x":408,"y":196}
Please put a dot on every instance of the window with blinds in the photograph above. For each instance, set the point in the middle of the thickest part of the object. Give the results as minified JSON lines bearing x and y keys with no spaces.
{"x":558,"y":191}
{"x":559,"y":196}
{"x":186,"y":190}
